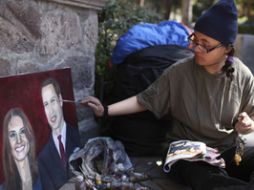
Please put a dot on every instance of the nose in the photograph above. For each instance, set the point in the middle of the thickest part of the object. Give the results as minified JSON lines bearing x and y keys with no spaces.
{"x":50,"y":109}
{"x":197,"y":48}
{"x":19,"y":139}
{"x":193,"y":46}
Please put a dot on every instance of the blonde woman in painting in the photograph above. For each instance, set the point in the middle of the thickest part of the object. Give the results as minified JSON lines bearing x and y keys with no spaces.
{"x":19,"y":160}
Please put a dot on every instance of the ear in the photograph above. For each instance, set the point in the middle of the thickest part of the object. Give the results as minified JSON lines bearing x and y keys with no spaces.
{"x":229,"y":49}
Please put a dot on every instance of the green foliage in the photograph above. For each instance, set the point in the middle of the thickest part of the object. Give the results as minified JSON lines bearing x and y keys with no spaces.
{"x":114,"y":20}
{"x":200,"y":6}
{"x":246,"y":28}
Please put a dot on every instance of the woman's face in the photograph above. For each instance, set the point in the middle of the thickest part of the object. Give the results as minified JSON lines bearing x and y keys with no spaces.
{"x":17,"y":138}
{"x":212,"y":58}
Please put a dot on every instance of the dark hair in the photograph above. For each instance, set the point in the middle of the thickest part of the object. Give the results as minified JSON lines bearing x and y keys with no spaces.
{"x":12,"y":177}
{"x":55,"y":84}
{"x":228,"y":67}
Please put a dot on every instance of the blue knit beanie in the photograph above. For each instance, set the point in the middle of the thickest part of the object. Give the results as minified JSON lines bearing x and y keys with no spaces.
{"x":219,"y":22}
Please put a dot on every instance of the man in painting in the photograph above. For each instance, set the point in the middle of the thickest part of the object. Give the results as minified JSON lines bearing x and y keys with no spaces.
{"x":53,"y":159}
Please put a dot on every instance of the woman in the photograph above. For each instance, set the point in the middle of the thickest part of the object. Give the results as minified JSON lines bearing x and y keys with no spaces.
{"x":19,"y":160}
{"x":210,"y":98}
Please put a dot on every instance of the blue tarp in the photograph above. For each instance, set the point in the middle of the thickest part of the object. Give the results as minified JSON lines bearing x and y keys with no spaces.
{"x":146,"y":34}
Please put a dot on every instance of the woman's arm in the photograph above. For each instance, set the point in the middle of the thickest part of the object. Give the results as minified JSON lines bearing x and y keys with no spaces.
{"x":127,"y":106}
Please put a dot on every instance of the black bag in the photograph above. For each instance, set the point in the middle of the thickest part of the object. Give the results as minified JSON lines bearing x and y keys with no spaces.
{"x":142,"y":133}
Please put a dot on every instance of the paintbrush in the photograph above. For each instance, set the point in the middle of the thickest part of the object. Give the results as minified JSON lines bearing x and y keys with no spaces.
{"x":72,"y":101}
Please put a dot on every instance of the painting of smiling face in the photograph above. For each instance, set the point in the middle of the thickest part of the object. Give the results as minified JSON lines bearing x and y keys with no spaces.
{"x":18,"y":139}
{"x":36,"y":119}
{"x":52,"y":107}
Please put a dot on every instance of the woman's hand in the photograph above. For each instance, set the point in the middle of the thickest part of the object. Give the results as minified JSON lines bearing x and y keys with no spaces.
{"x":245,"y":124}
{"x":94,"y":104}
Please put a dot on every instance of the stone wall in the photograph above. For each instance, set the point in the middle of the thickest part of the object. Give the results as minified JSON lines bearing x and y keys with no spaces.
{"x":43,"y":35}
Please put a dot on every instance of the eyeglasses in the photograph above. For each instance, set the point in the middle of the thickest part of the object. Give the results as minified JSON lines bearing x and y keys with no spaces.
{"x":201,"y":48}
